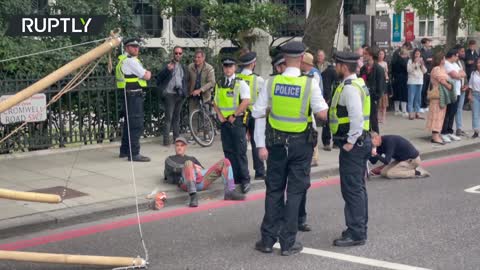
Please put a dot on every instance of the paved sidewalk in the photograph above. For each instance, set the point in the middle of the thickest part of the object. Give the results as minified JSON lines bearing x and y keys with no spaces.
{"x":107,"y":180}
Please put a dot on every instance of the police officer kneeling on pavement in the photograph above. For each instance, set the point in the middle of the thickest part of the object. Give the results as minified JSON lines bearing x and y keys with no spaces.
{"x":287,"y":143}
{"x":349,"y":122}
{"x":232,"y":96}
{"x":132,"y":78}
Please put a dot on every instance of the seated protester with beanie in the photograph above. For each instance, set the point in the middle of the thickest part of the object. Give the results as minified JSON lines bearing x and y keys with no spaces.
{"x":190,"y":175}
{"x":400,"y":157}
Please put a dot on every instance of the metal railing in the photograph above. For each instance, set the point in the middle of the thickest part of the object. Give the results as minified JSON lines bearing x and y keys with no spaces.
{"x":89,"y":114}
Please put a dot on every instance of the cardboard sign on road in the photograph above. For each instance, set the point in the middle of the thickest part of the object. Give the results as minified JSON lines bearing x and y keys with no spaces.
{"x":33,"y":109}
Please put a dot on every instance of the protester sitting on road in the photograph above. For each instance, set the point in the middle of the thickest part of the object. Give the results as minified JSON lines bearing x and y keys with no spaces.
{"x":189,"y":174}
{"x":406,"y":160}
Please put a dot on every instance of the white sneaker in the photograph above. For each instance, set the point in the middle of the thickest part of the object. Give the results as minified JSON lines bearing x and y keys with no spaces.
{"x":421,"y":110}
{"x":405,"y":114}
{"x":454,"y":138}
{"x":445,"y":138}
{"x":397,"y":113}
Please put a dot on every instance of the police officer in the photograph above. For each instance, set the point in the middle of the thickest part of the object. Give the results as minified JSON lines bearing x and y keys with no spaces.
{"x":290,"y":99}
{"x":232,"y":96}
{"x":278,"y":64}
{"x":248,"y":61}
{"x":349,"y":122}
{"x":132,"y":78}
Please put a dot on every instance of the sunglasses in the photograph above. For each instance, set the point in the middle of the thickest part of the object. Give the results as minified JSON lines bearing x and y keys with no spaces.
{"x":178,"y":53}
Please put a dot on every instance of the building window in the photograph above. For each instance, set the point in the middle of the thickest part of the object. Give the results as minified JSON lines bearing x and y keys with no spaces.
{"x":39,"y":6}
{"x":425,"y":26}
{"x":188,"y":24}
{"x":296,"y":15}
{"x":147,"y":18}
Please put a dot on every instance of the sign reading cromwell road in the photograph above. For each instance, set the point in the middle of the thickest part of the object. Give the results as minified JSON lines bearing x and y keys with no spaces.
{"x":33,"y":109}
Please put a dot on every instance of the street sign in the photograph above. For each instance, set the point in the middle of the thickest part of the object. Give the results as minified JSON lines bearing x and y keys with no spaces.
{"x":397,"y":28}
{"x":381,"y":31}
{"x":33,"y":109}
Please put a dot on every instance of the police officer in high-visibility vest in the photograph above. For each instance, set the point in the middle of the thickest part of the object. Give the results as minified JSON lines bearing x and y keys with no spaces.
{"x":349,"y":122}
{"x":248,"y":61}
{"x":232,"y":96}
{"x":286,"y":141}
{"x":132,"y":78}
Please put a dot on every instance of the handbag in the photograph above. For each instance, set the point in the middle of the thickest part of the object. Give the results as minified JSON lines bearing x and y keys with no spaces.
{"x":433,"y":93}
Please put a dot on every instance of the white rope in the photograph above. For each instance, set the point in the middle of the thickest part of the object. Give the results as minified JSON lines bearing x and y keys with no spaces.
{"x":133,"y":176}
{"x":52,"y":50}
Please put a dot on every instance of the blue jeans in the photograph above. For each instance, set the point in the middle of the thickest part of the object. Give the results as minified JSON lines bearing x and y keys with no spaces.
{"x":458,"y":115}
{"x":414,"y":97}
{"x":476,"y":111}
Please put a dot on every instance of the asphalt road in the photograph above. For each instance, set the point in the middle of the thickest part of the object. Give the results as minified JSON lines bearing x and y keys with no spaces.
{"x":428,"y":223}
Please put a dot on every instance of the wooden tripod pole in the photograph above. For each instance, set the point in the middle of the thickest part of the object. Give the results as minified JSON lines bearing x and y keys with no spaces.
{"x":29,"y":196}
{"x":60,"y":73}
{"x":70,"y":259}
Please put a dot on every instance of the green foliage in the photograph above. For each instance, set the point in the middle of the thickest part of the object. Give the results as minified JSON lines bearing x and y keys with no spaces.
{"x":235,"y":21}
{"x":470,"y":10}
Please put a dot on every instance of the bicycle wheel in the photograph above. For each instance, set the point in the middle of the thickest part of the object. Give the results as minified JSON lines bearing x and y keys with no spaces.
{"x":202,"y":128}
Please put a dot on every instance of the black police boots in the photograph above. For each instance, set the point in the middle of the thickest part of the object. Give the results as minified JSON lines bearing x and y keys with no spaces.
{"x":234,"y":196}
{"x":139,"y":158}
{"x":193,"y":200}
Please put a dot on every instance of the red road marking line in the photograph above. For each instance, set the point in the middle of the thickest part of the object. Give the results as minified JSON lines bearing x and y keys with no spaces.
{"x":71,"y":234}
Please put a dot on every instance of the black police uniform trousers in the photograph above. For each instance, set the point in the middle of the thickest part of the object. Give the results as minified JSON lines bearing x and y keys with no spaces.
{"x":258,"y":165}
{"x":234,"y":145}
{"x":288,"y":168}
{"x":353,"y":166}
{"x":135,"y":121}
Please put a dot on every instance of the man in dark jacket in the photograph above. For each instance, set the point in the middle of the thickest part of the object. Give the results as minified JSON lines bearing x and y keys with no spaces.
{"x":330,"y":82}
{"x":471,"y":57}
{"x":427,"y":56}
{"x":172,"y":82}
{"x":374,"y":76}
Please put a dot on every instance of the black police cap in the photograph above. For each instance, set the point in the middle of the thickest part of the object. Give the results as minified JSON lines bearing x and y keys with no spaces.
{"x":228,"y":60}
{"x":346,"y":57}
{"x":278,"y":59}
{"x":247,"y":58}
{"x":132,"y":42}
{"x":293,"y":49}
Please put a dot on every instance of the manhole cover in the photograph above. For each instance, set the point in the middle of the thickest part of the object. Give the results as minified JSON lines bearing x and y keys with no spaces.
{"x":69,"y":193}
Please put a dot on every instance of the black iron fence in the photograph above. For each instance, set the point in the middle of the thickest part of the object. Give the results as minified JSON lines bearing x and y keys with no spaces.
{"x":89,"y":114}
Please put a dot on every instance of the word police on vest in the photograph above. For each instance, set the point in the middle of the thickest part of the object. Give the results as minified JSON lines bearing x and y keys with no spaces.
{"x":55,"y":25}
{"x":287,"y":90}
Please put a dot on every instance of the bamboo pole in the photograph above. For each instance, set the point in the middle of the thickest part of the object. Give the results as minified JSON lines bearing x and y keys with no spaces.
{"x":37,"y":257}
{"x":29,"y":196}
{"x":60,"y":73}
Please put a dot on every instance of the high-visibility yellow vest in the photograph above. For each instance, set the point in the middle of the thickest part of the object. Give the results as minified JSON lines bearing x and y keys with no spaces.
{"x":122,"y":79}
{"x":338,"y":115}
{"x":289,"y":101}
{"x":228,"y":99}
{"x":251,"y":80}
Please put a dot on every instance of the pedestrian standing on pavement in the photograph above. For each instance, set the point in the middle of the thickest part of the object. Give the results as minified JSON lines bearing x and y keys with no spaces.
{"x":436,"y":113}
{"x":427,"y":56}
{"x":173,"y":81}
{"x":455,"y":72}
{"x":248,"y":61}
{"x":131,"y":78}
{"x":232,"y":96}
{"x":474,"y":97}
{"x":350,"y":125}
{"x":463,"y":92}
{"x":385,"y":99}
{"x":201,"y":79}
{"x":188,"y":173}
{"x":330,"y":80}
{"x":399,"y":83}
{"x":416,"y":69}
{"x":278,"y":64}
{"x":307,"y":67}
{"x":374,"y":76}
{"x":471,"y":56}
{"x":287,"y":143}
{"x":321,"y":63}
{"x":401,"y":158}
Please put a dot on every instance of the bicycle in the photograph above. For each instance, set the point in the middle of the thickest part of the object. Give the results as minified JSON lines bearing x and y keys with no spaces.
{"x":203,"y":123}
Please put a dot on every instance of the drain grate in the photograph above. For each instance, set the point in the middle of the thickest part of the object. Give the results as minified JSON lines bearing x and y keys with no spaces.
{"x":70,"y":193}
